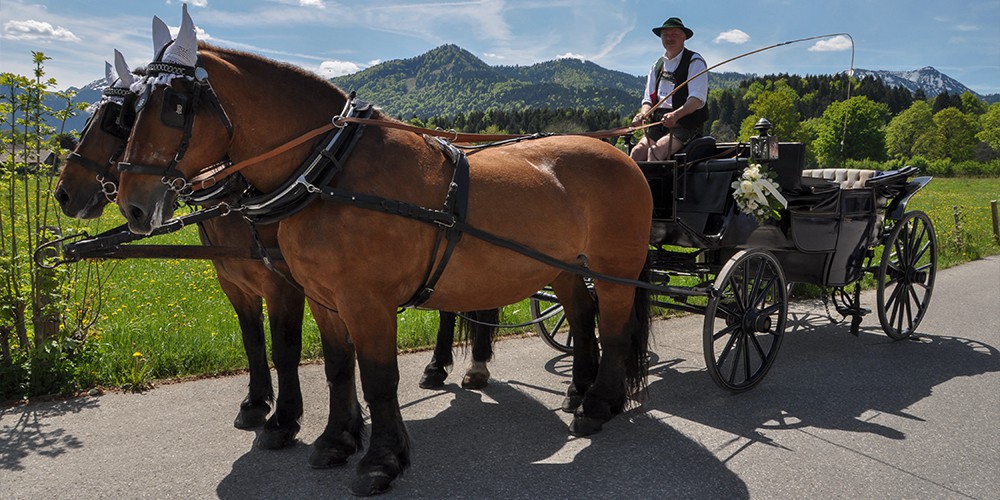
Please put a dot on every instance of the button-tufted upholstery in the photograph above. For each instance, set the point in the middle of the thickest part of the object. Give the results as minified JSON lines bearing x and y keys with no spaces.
{"x":848,"y":178}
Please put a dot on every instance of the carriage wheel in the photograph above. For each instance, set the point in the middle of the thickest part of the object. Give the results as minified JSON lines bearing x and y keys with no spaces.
{"x":745,"y":320}
{"x":554,"y":330}
{"x":906,"y":275}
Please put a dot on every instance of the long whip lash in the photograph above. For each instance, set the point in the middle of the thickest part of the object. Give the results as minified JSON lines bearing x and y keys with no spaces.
{"x":752,"y":52}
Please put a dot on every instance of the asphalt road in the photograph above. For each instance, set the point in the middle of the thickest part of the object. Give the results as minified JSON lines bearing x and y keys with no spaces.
{"x":838,"y":416}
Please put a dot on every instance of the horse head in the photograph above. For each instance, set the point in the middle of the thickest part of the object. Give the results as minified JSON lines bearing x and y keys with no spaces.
{"x":174,"y":97}
{"x":89,"y":180}
{"x":184,"y":124}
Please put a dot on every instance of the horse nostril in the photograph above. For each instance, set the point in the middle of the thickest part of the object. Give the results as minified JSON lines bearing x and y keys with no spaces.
{"x":135,"y":213}
{"x":62,"y":196}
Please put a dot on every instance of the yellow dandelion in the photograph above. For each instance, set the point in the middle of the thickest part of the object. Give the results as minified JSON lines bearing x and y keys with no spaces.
{"x":136,"y":354}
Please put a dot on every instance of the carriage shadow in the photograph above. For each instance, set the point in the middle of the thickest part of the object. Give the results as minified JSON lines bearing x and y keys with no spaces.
{"x":825,"y":378}
{"x":26,"y":430}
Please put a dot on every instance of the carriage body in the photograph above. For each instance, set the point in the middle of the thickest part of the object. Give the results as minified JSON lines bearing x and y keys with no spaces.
{"x":839,"y":226}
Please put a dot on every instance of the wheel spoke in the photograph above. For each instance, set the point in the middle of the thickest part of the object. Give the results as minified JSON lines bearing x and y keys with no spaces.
{"x":736,"y":361}
{"x":726,"y":331}
{"x":729,"y":346}
{"x":758,"y":347}
{"x":746,"y":356}
{"x":771,"y":309}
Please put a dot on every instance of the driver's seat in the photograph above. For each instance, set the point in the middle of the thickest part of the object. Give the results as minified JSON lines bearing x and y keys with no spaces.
{"x":696,"y":149}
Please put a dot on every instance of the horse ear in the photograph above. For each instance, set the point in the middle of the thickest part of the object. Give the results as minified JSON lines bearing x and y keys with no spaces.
{"x":109,"y":73}
{"x":125,"y":77}
{"x":161,"y":36}
{"x":184,"y":50}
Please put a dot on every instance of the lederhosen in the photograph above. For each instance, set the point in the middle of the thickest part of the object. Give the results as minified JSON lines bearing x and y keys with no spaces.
{"x":693,"y":121}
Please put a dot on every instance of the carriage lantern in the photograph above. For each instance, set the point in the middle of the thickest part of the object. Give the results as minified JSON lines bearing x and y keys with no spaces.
{"x":764,"y":147}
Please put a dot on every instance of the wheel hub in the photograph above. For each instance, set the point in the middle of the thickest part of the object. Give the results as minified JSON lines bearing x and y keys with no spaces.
{"x":755,"y":322}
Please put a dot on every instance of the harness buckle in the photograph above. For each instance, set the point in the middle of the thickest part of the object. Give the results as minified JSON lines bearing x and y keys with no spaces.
{"x":306,"y":184}
{"x":338,"y":122}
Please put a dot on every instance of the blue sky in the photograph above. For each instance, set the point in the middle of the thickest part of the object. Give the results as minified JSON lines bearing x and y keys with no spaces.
{"x":333,"y":37}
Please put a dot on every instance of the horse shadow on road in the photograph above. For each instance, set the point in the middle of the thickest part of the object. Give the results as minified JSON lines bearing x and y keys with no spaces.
{"x":29,"y":429}
{"x":504,"y":442}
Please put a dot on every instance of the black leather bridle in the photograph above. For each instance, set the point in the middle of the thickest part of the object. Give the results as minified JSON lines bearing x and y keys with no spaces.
{"x":178,"y":111}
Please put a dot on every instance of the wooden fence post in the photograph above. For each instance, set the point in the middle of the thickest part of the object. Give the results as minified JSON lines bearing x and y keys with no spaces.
{"x":996,"y":221}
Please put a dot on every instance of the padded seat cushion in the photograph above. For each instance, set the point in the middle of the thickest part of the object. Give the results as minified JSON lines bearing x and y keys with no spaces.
{"x":848,"y":178}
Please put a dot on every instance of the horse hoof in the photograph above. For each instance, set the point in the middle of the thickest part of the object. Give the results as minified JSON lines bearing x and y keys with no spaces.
{"x":475,"y":381}
{"x":585,"y":426}
{"x":433,"y":379}
{"x":370,"y":484}
{"x":251,"y":417}
{"x":571,"y":402}
{"x":275,"y":439}
{"x":327,"y":458}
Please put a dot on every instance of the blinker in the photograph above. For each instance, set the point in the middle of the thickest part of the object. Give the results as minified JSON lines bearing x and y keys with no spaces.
{"x":174,"y":110}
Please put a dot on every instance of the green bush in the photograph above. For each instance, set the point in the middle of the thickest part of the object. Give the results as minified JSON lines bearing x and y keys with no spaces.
{"x":941,"y":168}
{"x":921,"y":163}
{"x":968,"y":168}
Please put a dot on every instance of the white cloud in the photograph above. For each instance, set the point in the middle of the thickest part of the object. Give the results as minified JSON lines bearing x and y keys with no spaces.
{"x":492,"y":55}
{"x":330,"y":69}
{"x":37,"y":31}
{"x":570,"y":55}
{"x":312,"y":3}
{"x":838,"y":43}
{"x":967,"y":27}
{"x":736,"y":36}
{"x":198,"y":3}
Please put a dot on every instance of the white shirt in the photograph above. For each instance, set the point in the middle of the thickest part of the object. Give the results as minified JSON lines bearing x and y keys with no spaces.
{"x":697,"y":87}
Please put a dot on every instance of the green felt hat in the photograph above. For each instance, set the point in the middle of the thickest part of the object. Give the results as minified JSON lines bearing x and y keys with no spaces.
{"x":674,"y":22}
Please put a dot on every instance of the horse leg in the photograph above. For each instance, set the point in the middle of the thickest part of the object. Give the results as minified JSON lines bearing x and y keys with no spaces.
{"x":284,"y":310}
{"x":250,"y":314}
{"x":343,"y":433}
{"x":581,"y":314}
{"x":478,"y":374}
{"x":624,"y":327}
{"x":374,"y":337}
{"x":436,"y":371}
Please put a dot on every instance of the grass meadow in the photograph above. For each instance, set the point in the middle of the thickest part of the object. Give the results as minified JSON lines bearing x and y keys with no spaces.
{"x":162,"y":319}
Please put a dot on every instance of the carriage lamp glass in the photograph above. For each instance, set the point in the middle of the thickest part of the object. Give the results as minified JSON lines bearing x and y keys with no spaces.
{"x":764,"y":147}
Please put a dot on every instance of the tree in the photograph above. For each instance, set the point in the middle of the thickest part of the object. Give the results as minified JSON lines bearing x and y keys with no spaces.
{"x":944,"y":100}
{"x":989,"y":125}
{"x":971,"y":104}
{"x":851,"y":130}
{"x":776,"y":102}
{"x":40,"y":319}
{"x":905,"y":130}
{"x":959,"y":133}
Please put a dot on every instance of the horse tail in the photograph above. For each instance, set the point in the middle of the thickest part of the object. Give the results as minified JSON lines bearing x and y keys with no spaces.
{"x":479,"y":328}
{"x":638,"y":331}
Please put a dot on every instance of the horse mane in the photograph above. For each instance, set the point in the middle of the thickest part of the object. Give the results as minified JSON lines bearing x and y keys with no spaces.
{"x":226,"y":53}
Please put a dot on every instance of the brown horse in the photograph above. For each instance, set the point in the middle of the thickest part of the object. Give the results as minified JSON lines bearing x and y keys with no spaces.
{"x":576,"y":199}
{"x":87,"y":184}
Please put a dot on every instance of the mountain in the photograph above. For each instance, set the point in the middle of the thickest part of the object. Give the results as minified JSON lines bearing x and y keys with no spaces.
{"x":449,"y":80}
{"x":89,"y":94}
{"x":932,"y":81}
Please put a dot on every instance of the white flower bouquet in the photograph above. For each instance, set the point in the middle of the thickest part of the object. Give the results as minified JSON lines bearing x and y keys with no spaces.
{"x":757,"y":195}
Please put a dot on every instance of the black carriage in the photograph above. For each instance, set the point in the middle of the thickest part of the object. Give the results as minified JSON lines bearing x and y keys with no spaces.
{"x":708,"y":257}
